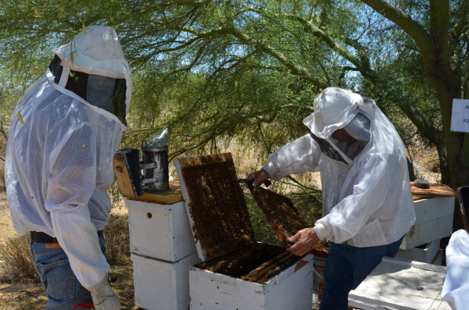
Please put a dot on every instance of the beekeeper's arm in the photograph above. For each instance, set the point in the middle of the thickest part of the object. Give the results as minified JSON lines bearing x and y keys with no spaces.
{"x":71,"y":182}
{"x":351,"y":214}
{"x":297,"y":157}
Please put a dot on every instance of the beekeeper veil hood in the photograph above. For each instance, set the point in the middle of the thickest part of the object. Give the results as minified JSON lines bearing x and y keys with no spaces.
{"x":336,"y":109}
{"x":93,"y":67}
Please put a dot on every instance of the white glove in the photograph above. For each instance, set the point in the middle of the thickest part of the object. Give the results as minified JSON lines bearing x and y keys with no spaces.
{"x":103,"y":296}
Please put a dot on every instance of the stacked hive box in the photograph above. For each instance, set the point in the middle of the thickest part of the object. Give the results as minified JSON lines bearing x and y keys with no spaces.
{"x":434,"y":209}
{"x":162,"y":249}
{"x":164,"y":254}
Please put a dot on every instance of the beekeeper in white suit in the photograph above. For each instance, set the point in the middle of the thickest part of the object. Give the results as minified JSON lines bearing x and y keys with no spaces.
{"x":367,"y":202}
{"x":64,"y":133}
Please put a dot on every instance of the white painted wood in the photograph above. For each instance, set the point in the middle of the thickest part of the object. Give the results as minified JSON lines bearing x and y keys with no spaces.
{"x":162,"y":285}
{"x":434,"y":220}
{"x":291,"y":289}
{"x":202,"y":254}
{"x":160,"y":231}
{"x":425,"y":255}
{"x":403,"y":285}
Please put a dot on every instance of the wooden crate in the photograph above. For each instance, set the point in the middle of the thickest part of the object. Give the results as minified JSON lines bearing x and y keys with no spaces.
{"x":434,"y":220}
{"x":162,"y":285}
{"x":403,"y":285}
{"x":160,"y":231}
{"x":289,"y":289}
{"x":430,"y":254}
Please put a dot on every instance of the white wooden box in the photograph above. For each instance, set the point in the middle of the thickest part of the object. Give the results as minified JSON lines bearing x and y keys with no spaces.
{"x":403,"y":285}
{"x":434,"y":220}
{"x":162,"y":285}
{"x":214,"y":178}
{"x":289,"y":290}
{"x":430,"y":254}
{"x":160,"y":231}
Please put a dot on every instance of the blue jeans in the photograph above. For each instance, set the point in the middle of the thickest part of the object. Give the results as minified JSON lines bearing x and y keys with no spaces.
{"x":63,"y":290}
{"x":346,"y":267}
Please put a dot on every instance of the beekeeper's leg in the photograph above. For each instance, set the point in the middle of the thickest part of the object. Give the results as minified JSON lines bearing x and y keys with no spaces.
{"x":337,"y":279}
{"x":63,"y":289}
{"x":365,"y":260}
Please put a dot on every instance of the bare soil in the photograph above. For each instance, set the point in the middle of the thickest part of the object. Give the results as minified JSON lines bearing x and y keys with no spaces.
{"x":6,"y":227}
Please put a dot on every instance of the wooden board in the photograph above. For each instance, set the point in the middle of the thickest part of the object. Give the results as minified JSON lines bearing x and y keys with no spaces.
{"x":169,"y":197}
{"x":399,"y":284}
{"x":200,"y":160}
{"x":435,"y":190}
{"x":162,"y":285}
{"x":122,"y":175}
{"x":215,"y":203}
{"x":160,"y":231}
{"x":433,"y":221}
{"x":431,"y":254}
{"x":290,"y":289}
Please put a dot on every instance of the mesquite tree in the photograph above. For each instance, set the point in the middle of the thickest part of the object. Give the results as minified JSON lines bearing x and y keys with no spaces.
{"x":250,"y":68}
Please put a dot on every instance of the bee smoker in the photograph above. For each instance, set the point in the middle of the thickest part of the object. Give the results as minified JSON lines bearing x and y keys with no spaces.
{"x":155,"y":163}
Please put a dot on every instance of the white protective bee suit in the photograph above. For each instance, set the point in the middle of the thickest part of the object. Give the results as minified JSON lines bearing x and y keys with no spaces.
{"x":366,"y":193}
{"x":456,"y":283}
{"x":60,"y":151}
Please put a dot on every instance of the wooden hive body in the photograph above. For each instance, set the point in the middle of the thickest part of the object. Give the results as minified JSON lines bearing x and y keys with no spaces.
{"x":399,"y":284}
{"x":221,"y":226}
{"x":159,"y":231}
{"x":433,"y":221}
{"x":160,"y":284}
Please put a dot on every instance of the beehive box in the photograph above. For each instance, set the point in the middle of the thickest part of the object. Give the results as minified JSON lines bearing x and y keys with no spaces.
{"x":160,"y":231}
{"x":430,"y":253}
{"x":398,"y":284}
{"x":162,"y":285}
{"x":434,"y":220}
{"x":290,"y":289}
{"x":224,"y":237}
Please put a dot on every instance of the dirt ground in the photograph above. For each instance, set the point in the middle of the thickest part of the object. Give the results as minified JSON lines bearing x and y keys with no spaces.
{"x":6,"y":227}
{"x":31,"y":296}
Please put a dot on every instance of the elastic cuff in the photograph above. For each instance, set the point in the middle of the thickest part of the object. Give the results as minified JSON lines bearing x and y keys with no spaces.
{"x":268,"y":168}
{"x":100,"y":288}
{"x":320,"y":230}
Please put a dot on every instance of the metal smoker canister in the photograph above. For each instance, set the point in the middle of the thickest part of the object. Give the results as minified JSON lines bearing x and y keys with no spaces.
{"x":156,"y":178}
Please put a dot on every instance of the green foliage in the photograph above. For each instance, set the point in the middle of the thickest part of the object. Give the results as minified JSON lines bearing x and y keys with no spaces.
{"x":264,"y":110}
{"x":8,"y":98}
{"x":217,"y":70}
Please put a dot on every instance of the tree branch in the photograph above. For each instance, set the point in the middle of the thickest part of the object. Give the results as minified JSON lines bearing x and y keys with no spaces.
{"x":192,"y":3}
{"x":317,"y":32}
{"x":295,"y":68}
{"x":313,"y":11}
{"x":411,"y":27}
